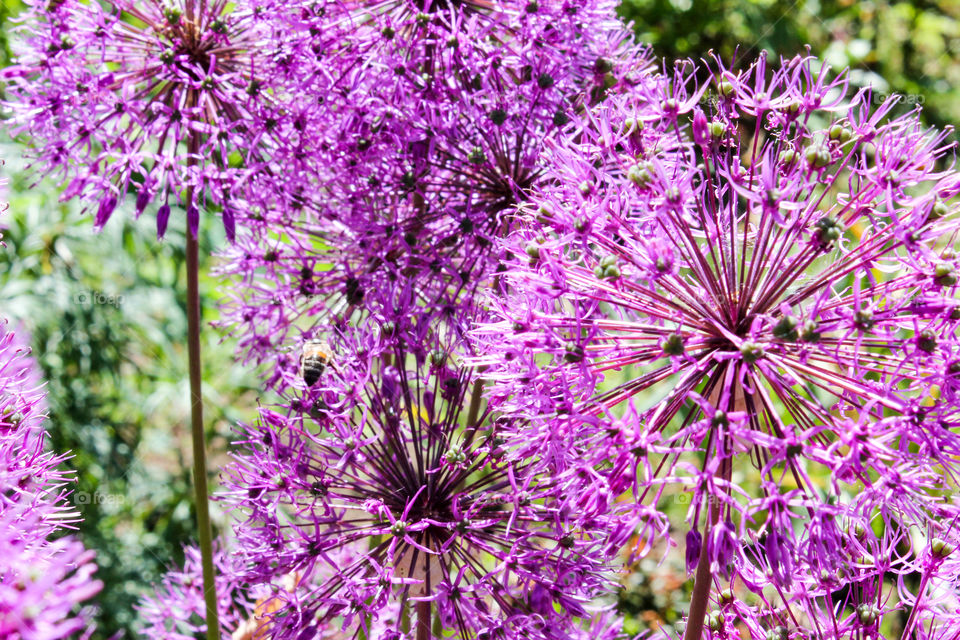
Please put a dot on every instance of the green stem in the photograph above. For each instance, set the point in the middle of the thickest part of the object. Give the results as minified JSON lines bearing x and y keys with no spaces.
{"x":199,"y":439}
{"x":201,"y":492}
{"x":703,"y":581}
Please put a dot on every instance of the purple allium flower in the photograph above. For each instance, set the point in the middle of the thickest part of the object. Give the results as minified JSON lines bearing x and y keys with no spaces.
{"x":775,"y":281}
{"x":43,"y":582}
{"x":176,"y":610}
{"x":424,"y":129}
{"x":394,"y":459}
{"x":914,"y":595}
{"x":142,"y":97}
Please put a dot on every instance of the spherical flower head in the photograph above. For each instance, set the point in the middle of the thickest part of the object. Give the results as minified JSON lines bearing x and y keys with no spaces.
{"x":424,"y":125}
{"x":393,"y":457}
{"x":146,"y":98}
{"x":42,"y":581}
{"x":285,"y":294}
{"x":176,"y":609}
{"x":780,"y":294}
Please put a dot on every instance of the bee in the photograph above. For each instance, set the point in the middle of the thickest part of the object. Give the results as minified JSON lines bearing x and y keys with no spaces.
{"x":314,"y":358}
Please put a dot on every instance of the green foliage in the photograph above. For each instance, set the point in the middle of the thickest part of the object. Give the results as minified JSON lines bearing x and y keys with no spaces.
{"x":908,"y":48}
{"x":108,"y":326}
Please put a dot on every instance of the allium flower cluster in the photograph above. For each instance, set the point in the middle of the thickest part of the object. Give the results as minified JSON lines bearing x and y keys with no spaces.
{"x":389,"y":479}
{"x":42,"y":581}
{"x":411,"y":132}
{"x":765,"y":278}
{"x":141,"y":98}
{"x":176,"y":610}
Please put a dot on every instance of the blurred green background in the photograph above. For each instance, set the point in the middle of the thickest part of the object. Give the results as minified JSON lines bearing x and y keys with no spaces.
{"x":908,"y":48}
{"x":108,"y":326}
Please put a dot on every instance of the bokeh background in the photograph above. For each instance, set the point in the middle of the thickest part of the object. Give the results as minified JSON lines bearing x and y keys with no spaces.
{"x":108,"y":324}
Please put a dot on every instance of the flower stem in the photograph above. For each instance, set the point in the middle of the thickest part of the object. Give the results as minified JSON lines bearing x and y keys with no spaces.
{"x":201,"y":492}
{"x":475,"y":397}
{"x":423,"y":620}
{"x":703,"y":581}
{"x":701,"y":590}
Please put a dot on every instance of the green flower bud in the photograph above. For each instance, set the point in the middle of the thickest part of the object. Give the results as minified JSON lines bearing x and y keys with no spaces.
{"x":827,"y":231}
{"x":939,"y":209}
{"x":631,"y":125}
{"x":603,"y":65}
{"x":927,"y":341}
{"x":863,"y":320}
{"x":574,"y":353}
{"x":818,"y":157}
{"x":839,"y":133}
{"x":717,"y":129}
{"x":786,"y":329}
{"x":751,"y":352}
{"x":455,"y":456}
{"x":639,"y":175}
{"x":476,"y":156}
{"x":944,"y":275}
{"x":672,"y":345}
{"x":787,"y":157}
{"x":715,"y":621}
{"x":778,"y":633}
{"x":810,"y":332}
{"x":941,"y":549}
{"x":867,"y":614}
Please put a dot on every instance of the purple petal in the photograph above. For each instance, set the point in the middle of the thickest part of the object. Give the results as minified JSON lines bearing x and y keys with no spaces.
{"x":229,"y":224}
{"x":104,"y":211}
{"x":163,"y":216}
{"x":694,"y":540}
{"x":143,"y":199}
{"x":193,"y":220}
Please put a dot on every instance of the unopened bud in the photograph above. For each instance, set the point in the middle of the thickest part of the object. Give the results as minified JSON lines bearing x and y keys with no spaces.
{"x":672,"y":345}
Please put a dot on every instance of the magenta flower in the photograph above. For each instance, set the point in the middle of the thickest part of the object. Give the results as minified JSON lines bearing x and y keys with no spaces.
{"x":775,"y":283}
{"x":426,"y":126}
{"x":176,"y":610}
{"x":147,"y":98}
{"x":43,"y":582}
{"x":393,"y":459}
